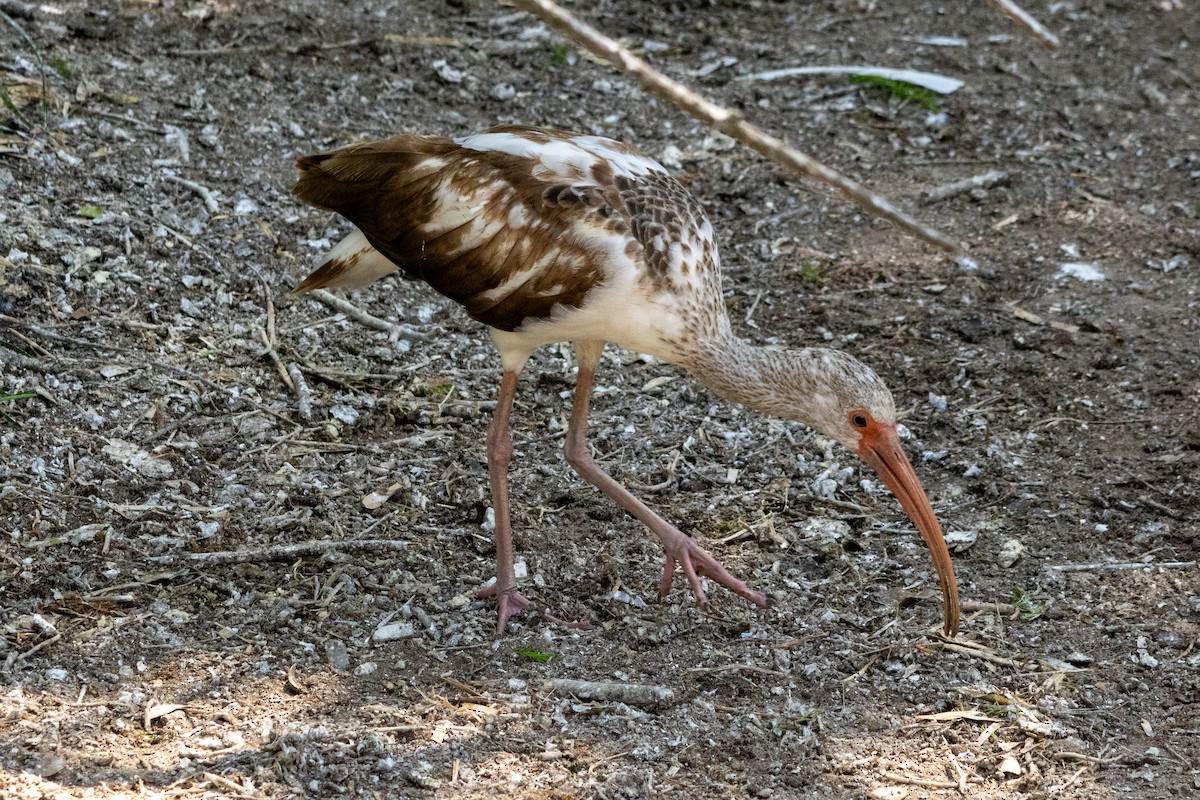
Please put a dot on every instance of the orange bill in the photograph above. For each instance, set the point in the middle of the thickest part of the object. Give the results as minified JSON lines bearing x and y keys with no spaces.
{"x":880,"y":448}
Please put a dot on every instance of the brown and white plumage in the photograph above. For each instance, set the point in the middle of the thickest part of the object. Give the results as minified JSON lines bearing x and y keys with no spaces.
{"x":546,"y":236}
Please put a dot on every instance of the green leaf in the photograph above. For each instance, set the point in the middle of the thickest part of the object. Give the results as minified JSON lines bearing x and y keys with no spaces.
{"x":901,"y":90}
{"x":1026,"y":605}
{"x":8,"y":398}
{"x":63,"y":67}
{"x":534,"y":655}
{"x":91,"y":211}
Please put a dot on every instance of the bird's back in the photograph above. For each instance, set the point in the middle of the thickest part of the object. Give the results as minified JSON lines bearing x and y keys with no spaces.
{"x":525,"y":227}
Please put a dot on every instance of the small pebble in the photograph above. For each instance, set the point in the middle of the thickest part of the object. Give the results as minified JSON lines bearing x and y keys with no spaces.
{"x":336,"y":655}
{"x":446,"y":72}
{"x":393,"y":631}
{"x":1009,"y":553}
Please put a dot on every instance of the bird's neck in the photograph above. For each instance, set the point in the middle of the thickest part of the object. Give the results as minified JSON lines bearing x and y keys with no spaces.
{"x":781,"y":383}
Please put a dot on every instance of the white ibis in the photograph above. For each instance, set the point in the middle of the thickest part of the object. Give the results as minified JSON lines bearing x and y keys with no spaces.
{"x":546,"y":236}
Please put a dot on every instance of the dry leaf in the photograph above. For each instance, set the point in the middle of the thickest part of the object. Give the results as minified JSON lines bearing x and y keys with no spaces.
{"x":375,"y":499}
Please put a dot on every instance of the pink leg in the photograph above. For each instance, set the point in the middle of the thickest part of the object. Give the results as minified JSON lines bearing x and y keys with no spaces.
{"x":499,"y":453}
{"x":680,"y":548}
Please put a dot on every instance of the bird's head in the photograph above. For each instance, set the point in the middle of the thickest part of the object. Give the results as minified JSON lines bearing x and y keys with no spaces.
{"x":850,"y":403}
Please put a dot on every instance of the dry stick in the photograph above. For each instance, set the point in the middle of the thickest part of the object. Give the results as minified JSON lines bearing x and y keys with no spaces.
{"x":928,"y":783}
{"x":284,"y":374}
{"x":737,"y":668}
{"x":1068,"y":755}
{"x":282,"y":552}
{"x":1022,"y":18}
{"x":984,"y":181}
{"x":40,"y":645}
{"x":633,"y":694}
{"x":981,"y":654}
{"x":979,"y":605}
{"x":729,"y":122}
{"x":304,"y":395}
{"x":358,"y":315}
{"x":1126,"y":565}
{"x":206,"y":194}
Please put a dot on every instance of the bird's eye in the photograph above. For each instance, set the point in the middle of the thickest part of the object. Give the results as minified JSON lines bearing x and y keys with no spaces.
{"x":858,"y":419}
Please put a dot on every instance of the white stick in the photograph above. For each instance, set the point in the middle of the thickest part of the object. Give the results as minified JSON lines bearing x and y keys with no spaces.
{"x":729,"y":122}
{"x":358,"y":315}
{"x":206,"y":194}
{"x":1022,"y":18}
{"x":633,"y":694}
{"x":304,"y":395}
{"x":1126,"y":565}
{"x":984,"y":181}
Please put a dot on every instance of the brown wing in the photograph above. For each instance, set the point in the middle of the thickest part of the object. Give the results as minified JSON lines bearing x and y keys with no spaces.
{"x":491,"y":229}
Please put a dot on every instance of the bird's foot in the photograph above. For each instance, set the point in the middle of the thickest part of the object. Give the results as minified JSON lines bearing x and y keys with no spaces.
{"x":696,"y":561}
{"x":510,"y":602}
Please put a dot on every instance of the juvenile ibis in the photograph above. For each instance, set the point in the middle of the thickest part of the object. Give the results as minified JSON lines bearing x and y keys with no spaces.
{"x":546,"y":236}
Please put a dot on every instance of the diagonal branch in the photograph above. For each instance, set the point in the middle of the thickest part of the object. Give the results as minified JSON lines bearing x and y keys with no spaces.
{"x":729,"y":122}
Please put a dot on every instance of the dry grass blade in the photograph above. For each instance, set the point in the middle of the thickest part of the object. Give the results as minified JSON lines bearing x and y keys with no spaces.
{"x":37,"y":54}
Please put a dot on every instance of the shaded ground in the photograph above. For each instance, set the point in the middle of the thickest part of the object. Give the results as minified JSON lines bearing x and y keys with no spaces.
{"x":1053,"y":420}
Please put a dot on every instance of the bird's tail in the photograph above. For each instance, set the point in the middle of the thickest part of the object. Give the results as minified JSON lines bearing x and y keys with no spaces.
{"x":369,"y":184}
{"x":352,"y":264}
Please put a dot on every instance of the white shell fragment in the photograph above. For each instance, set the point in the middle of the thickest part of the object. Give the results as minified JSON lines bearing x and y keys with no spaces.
{"x":942,"y":84}
{"x":1080,"y":271}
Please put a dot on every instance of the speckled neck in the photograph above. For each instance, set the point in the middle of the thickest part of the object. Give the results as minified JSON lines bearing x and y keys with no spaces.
{"x":815,"y":386}
{"x":775,"y":382}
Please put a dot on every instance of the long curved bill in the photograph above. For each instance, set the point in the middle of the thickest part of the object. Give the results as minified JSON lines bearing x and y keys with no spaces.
{"x":880,"y":448}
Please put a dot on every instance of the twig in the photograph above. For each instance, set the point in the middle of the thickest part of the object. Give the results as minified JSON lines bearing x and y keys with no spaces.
{"x":304,"y":395}
{"x":1067,"y":755}
{"x":362,"y":317}
{"x":206,"y":194}
{"x":737,"y":668}
{"x":284,"y":374}
{"x":231,"y":786}
{"x":1022,"y":18}
{"x":296,"y":49}
{"x":282,"y":552}
{"x":634,"y":694}
{"x":928,"y":783}
{"x":981,"y":654}
{"x":40,"y":645}
{"x":17,"y":360}
{"x":1125,"y":565}
{"x":729,"y":122}
{"x":987,"y":179}
{"x":1006,"y":609}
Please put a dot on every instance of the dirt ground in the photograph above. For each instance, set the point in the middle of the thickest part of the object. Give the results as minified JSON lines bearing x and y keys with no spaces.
{"x":147,"y":243}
